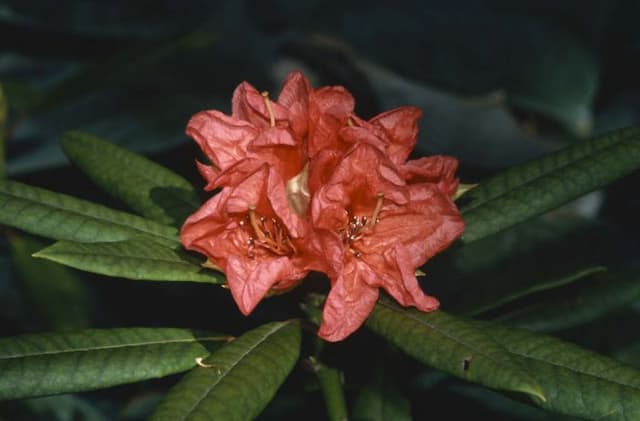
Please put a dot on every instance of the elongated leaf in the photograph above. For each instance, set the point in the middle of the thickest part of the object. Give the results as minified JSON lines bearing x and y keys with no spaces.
{"x":508,"y":408}
{"x":63,"y":217}
{"x":3,"y":125}
{"x":136,"y":258}
{"x":454,"y":346}
{"x":332,"y":390}
{"x":592,"y":298}
{"x":522,"y":260}
{"x":54,"y":291}
{"x":525,"y":191}
{"x":51,"y":363}
{"x":150,"y":189}
{"x":567,"y":378}
{"x":382,"y":400}
{"x":486,"y":303}
{"x":576,"y":382}
{"x":240,"y":378}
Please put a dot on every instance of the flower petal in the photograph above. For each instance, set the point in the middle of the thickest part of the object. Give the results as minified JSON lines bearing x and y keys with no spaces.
{"x":349,"y":303}
{"x":294,"y":96}
{"x":250,"y":279}
{"x":400,"y":126}
{"x":249,"y":104}
{"x":437,"y":169}
{"x":222,"y":138}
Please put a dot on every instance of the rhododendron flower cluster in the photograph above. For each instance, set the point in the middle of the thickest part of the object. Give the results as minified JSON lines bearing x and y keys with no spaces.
{"x":306,"y":185}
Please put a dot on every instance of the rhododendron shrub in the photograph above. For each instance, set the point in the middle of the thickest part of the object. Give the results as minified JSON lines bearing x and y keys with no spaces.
{"x":307,"y":185}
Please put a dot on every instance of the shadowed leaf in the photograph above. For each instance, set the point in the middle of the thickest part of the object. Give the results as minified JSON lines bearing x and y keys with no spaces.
{"x":52,"y":363}
{"x":136,"y":258}
{"x":150,"y":189}
{"x":238,"y":380}
{"x":62,"y":217}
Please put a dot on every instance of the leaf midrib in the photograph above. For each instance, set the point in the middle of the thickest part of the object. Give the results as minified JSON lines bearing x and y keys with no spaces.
{"x":57,"y":207}
{"x":116,"y":346}
{"x":165,"y":177}
{"x":542,"y":175}
{"x":228,"y":369}
{"x":441,"y":332}
{"x":597,"y":376}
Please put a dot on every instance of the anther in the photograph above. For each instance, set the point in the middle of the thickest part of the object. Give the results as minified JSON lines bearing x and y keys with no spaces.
{"x":267,"y":103}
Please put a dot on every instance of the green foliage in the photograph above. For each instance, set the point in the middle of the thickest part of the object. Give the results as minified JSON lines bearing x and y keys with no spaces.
{"x":58,"y":296}
{"x":148,"y":188}
{"x":62,"y":217}
{"x":560,"y":83}
{"x":3,"y":129}
{"x":50,"y":363}
{"x":595,"y":297}
{"x":523,"y":192}
{"x":136,"y":258}
{"x":330,"y":380}
{"x":239,"y":379}
{"x":455,"y":346}
{"x":555,"y":375}
{"x":382,"y":400}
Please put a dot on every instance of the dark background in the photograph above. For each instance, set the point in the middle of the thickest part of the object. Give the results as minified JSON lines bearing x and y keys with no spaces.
{"x":500,"y":82}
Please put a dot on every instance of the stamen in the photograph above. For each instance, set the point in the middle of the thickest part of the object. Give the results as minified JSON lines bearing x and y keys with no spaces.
{"x":350,"y":122}
{"x":267,"y":103}
{"x":376,"y":211}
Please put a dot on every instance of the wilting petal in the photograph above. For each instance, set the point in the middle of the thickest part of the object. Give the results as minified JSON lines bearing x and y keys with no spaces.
{"x":222,"y":138}
{"x":407,"y":291}
{"x":294,"y":96}
{"x":249,"y":104}
{"x":329,"y":110}
{"x":400,"y":127}
{"x":437,"y":169}
{"x":208,"y":172}
{"x":250,"y":279}
{"x":349,"y":303}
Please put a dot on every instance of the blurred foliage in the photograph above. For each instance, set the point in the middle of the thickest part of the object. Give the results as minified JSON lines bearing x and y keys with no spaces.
{"x":500,"y":83}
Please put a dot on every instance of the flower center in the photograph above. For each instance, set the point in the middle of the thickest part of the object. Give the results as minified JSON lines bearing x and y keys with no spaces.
{"x":266,"y":233}
{"x":358,"y":226}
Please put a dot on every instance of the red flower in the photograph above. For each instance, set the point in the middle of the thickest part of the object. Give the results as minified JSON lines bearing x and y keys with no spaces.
{"x":377,"y":231}
{"x":307,"y":185}
{"x":258,"y":130}
{"x":250,"y":232}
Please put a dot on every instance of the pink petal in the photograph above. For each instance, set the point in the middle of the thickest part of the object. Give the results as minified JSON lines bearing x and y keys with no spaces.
{"x":347,"y":307}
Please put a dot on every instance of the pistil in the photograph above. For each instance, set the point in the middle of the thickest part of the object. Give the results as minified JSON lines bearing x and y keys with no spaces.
{"x":267,"y":104}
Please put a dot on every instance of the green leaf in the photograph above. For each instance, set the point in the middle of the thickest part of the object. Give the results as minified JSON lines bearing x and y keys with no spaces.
{"x":560,"y":377}
{"x":560,"y":83}
{"x":531,"y":189}
{"x":57,"y":295}
{"x":63,"y":217}
{"x":136,"y":258}
{"x":381,"y":400}
{"x":522,"y":260}
{"x":508,"y":408}
{"x":454,"y":346}
{"x":239,"y":379}
{"x":331,"y":385}
{"x":3,"y":132}
{"x":485,"y":302}
{"x":50,"y":363}
{"x":582,"y":303}
{"x":150,"y":189}
{"x":575,"y":381}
